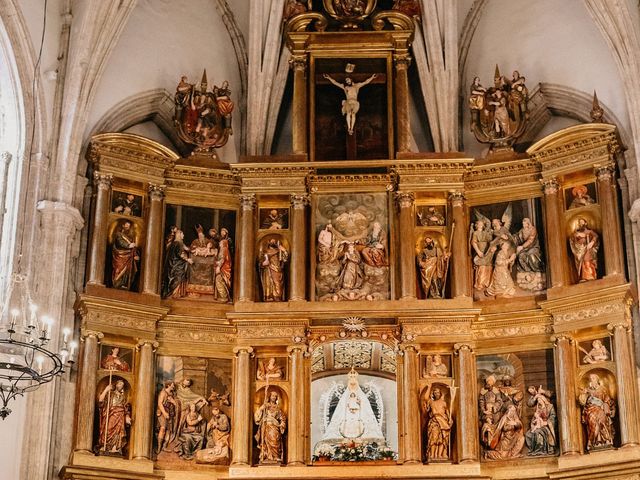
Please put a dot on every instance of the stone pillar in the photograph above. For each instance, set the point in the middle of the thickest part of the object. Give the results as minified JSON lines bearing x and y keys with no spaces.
{"x":5,"y":161}
{"x":554,"y":231}
{"x":611,"y":233}
{"x":87,"y":390}
{"x":98,"y":245}
{"x":565,"y":372}
{"x":241,"y":424}
{"x":403,"y":128}
{"x":144,"y":394}
{"x":296,"y":418}
{"x":298,"y":265}
{"x":407,"y":250}
{"x":299,"y":114}
{"x":153,"y":241}
{"x":467,"y":426}
{"x":410,"y":407}
{"x":461,"y":271}
{"x":247,"y":248}
{"x":625,"y":378}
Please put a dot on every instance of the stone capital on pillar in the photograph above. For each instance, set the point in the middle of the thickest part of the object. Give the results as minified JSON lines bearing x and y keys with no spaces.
{"x":605,"y":171}
{"x":457,"y":199}
{"x":299,"y":200}
{"x":622,"y":324}
{"x":248,"y":201}
{"x":102,"y":180}
{"x":300,"y":347}
{"x":57,"y":215}
{"x":84,"y":333}
{"x":156,"y":192}
{"x":467,"y":347}
{"x":560,"y":337}
{"x":143,"y":341}
{"x":550,"y":186}
{"x":242,"y":349}
{"x":5,"y":159}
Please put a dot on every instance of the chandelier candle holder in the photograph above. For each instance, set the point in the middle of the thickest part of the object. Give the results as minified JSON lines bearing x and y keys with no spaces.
{"x":26,"y":361}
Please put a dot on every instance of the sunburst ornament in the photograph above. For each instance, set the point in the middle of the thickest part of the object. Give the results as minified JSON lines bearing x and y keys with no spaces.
{"x":354,"y":325}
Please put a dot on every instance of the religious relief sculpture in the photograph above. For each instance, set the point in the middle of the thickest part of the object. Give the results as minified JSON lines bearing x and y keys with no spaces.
{"x":530,"y":266}
{"x":433,"y":263}
{"x":499,"y":114}
{"x":435,"y":367}
{"x":203,"y":118}
{"x":269,"y":371}
{"x":271,"y":261}
{"x":350,"y":13}
{"x":274,"y":219}
{"x":114,"y":418}
{"x":272,"y":424}
{"x":542,"y":436}
{"x":192,"y":431}
{"x":217,"y":450}
{"x":125,"y":257}
{"x":597,"y":354}
{"x":113,"y":361}
{"x":439,"y":424}
{"x":598,"y":410}
{"x":585,"y":243}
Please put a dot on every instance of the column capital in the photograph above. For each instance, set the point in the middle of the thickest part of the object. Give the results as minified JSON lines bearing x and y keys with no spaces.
{"x":402,"y":61}
{"x":248,"y":201}
{"x":102,"y":180}
{"x":59,"y":214}
{"x":405,"y":199}
{"x":458,"y":347}
{"x":559,"y":337}
{"x":605,"y":171}
{"x":237,"y":351}
{"x":145,"y":341}
{"x":299,"y":200}
{"x":300,"y":347}
{"x":550,"y":185}
{"x":84,"y":333}
{"x":613,"y":326}
{"x":5,"y":157}
{"x":456,"y":198}
{"x":156,"y":192}
{"x":298,"y":63}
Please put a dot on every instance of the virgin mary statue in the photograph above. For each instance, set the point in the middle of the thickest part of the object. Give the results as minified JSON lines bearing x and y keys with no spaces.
{"x":353,"y":417}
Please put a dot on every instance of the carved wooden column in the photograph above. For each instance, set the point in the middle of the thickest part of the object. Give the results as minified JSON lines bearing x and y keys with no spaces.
{"x":625,"y":378}
{"x":565,"y":372}
{"x":299,"y":115}
{"x":461,"y":272}
{"x":153,"y":241}
{"x":407,"y":254}
{"x":87,"y":390}
{"x":144,"y":407}
{"x":241,"y":424}
{"x":611,"y":234}
{"x":98,"y":245}
{"x":296,"y":440}
{"x":298,"y":269}
{"x":410,"y":407}
{"x":467,"y":421}
{"x":403,"y":128}
{"x":247,"y":248}
{"x":554,"y":231}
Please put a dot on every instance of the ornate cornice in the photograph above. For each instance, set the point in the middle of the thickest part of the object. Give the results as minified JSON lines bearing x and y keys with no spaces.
{"x":351,"y":183}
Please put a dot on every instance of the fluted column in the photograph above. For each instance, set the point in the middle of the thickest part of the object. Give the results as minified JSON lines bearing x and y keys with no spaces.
{"x":461,"y":271}
{"x":410,"y":407}
{"x":565,"y":373}
{"x":554,"y":231}
{"x":611,"y":234}
{"x":241,"y":424}
{"x":296,"y":406}
{"x":403,"y":128}
{"x":407,"y":254}
{"x":298,"y":269}
{"x":87,"y":390}
{"x":153,"y":241}
{"x":299,"y":114}
{"x":467,"y":421}
{"x":98,"y":245}
{"x":247,"y":247}
{"x":625,"y":378}
{"x":143,"y":414}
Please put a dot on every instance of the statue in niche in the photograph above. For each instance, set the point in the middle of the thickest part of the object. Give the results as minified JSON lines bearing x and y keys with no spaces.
{"x":272,"y":423}
{"x":435,"y":367}
{"x":125,"y":257}
{"x":481,"y":239}
{"x":584,"y":244}
{"x":529,"y":266}
{"x":269,"y":371}
{"x":431,"y":217}
{"x":374,"y":250}
{"x":202,"y":256}
{"x":581,"y":197}
{"x":433,"y":264}
{"x":192,"y":431}
{"x":223,"y":269}
{"x":439,"y":425}
{"x":272,"y":262}
{"x":176,"y":267}
{"x":597,"y":354}
{"x":218,"y":432}
{"x":598,"y":410}
{"x":541,"y":439}
{"x":168,"y":416}
{"x":350,"y":105}
{"x":113,"y":361}
{"x":127,"y":204}
{"x":115,"y":418}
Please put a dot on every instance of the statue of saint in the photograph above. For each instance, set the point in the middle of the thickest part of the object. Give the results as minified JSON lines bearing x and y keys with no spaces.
{"x":114,"y":362}
{"x":223,"y":268}
{"x":528,"y":249}
{"x":597,"y":354}
{"x":167,"y":416}
{"x":501,"y":281}
{"x":439,"y":424}
{"x":352,"y":273}
{"x":598,"y":410}
{"x":476,"y":99}
{"x":581,"y":197}
{"x":374,"y":252}
{"x":541,"y":439}
{"x":483,"y":255}
{"x":115,"y":418}
{"x":201,"y":269}
{"x":272,"y":423}
{"x":218,"y":431}
{"x":350,"y":105}
{"x":192,"y":430}
{"x":272,"y":262}
{"x":507,"y":440}
{"x":176,"y":267}
{"x":433,"y":264}
{"x":325,"y":244}
{"x":584,"y":244}
{"x":125,"y":258}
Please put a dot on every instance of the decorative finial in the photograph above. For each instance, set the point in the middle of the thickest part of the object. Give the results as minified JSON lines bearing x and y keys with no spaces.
{"x":597,"y":112}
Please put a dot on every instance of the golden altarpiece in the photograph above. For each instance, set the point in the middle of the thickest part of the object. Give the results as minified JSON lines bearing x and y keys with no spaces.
{"x":355,"y":309}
